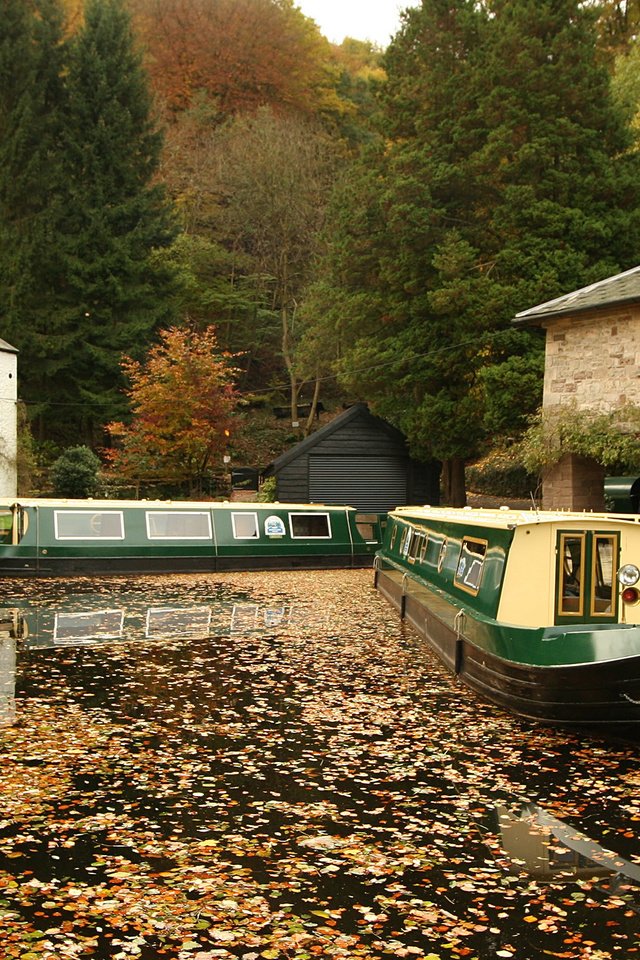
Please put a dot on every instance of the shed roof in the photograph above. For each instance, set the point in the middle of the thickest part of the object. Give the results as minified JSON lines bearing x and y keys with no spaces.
{"x":6,"y":347}
{"x":622,"y":288}
{"x":357,"y":410}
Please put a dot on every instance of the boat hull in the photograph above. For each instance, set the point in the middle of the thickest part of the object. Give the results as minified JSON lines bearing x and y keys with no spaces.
{"x":603,"y":692}
{"x":96,"y":566}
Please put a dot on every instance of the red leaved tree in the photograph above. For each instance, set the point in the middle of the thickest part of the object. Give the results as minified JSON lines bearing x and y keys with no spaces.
{"x":240,"y":53}
{"x":183,"y":401}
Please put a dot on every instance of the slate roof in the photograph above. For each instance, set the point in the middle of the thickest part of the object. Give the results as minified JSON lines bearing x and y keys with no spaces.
{"x":622,"y":288}
{"x":314,"y":438}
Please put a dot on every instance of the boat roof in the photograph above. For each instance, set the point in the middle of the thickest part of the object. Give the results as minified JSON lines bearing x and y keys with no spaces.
{"x":88,"y":504}
{"x":506,"y":518}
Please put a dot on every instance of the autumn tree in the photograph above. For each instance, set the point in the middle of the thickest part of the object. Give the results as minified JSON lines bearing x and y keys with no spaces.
{"x":182,"y":398}
{"x":274,"y":176}
{"x":241,"y":54}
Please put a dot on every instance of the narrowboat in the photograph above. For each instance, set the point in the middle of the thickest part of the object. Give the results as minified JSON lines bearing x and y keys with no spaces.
{"x":537,"y":611}
{"x":66,"y":537}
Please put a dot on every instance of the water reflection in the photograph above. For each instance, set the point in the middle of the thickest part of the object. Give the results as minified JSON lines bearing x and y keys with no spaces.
{"x":44,"y":626}
{"x":549,"y":848}
{"x":7,"y":677}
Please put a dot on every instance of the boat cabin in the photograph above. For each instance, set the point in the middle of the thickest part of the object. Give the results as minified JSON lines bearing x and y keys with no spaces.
{"x":60,"y":536}
{"x":538,"y":611}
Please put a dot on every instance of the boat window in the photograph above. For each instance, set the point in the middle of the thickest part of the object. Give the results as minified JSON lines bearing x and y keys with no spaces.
{"x":89,"y":525}
{"x":245,"y":526}
{"x":178,"y":525}
{"x":604,"y":556}
{"x":416,"y":544}
{"x":310,"y":525}
{"x":442,"y":554}
{"x":6,"y":526}
{"x":470,"y":564}
{"x":571,"y":593}
{"x":423,"y":548}
{"x":367,"y":524}
{"x":394,"y":534}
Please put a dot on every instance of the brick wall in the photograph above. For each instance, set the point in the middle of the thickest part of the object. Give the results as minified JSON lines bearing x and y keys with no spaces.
{"x":574,"y":483}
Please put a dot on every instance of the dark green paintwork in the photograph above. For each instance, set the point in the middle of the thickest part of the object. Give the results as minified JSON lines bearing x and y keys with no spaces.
{"x":554,"y":646}
{"x":487,"y":599}
{"x":40,"y":542}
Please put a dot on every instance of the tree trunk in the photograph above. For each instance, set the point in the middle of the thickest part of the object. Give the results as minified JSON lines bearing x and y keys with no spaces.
{"x":457,"y":493}
{"x":314,"y":407}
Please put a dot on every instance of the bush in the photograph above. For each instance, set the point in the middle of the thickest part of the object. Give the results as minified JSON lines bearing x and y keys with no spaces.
{"x":502,"y":474}
{"x":75,"y":473}
{"x":611,"y":439}
{"x":268,"y":490}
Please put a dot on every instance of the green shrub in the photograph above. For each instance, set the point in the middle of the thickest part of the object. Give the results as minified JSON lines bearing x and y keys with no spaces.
{"x":268,"y":490}
{"x":75,"y":473}
{"x":611,"y":439}
{"x":502,"y":474}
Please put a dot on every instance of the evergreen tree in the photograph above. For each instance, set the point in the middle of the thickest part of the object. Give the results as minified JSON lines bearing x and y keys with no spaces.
{"x":504,"y":181}
{"x":31,"y":178}
{"x":116,"y":216}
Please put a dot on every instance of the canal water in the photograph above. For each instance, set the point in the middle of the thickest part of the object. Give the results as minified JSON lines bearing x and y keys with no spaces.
{"x":273,"y":766}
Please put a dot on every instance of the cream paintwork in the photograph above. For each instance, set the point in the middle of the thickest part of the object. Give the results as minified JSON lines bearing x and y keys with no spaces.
{"x":528,"y":593}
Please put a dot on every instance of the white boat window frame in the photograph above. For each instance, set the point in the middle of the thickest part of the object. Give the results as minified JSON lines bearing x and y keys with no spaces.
{"x":442,"y":553}
{"x":244,"y":514}
{"x":310,"y":513}
{"x":93,"y":513}
{"x":87,"y":616}
{"x":461,"y":576}
{"x":179,"y":513}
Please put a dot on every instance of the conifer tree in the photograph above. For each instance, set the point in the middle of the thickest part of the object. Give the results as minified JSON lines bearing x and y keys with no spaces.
{"x":504,"y":181}
{"x":117,"y":217}
{"x":31,"y":178}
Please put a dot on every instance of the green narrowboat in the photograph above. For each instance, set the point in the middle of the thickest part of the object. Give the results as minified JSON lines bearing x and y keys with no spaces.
{"x":537,"y":611}
{"x":65,"y":537}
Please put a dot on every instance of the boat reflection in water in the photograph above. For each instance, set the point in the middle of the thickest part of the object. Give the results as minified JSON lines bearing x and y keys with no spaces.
{"x":10,"y":628}
{"x":545,"y":847}
{"x":78,"y":622}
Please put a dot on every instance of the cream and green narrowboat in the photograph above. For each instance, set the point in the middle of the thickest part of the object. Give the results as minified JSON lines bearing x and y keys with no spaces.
{"x":536,"y":611}
{"x":65,"y":537}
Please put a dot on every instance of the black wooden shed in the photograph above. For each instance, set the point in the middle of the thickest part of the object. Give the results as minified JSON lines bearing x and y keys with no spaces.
{"x":356,"y":459}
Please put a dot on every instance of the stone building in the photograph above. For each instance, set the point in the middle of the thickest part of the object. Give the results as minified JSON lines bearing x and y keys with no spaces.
{"x":8,"y":420}
{"x":592,"y":362}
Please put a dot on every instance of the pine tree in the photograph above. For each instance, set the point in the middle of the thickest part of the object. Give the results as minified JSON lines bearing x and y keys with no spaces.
{"x":31,"y":177}
{"x":117,"y":217}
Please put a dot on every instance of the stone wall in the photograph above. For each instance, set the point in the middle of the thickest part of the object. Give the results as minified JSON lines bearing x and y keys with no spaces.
{"x":593,"y":361}
{"x":574,"y":483}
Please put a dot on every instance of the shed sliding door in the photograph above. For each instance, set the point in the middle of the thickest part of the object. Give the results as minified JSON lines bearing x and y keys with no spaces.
{"x":372,"y":484}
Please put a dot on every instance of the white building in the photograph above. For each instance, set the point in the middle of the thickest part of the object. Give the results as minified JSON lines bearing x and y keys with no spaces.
{"x":8,"y":420}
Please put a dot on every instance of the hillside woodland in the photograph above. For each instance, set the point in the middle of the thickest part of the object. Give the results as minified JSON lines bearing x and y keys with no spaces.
{"x":209,"y":213}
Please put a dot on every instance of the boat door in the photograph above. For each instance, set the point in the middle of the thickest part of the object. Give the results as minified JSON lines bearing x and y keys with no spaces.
{"x":586,"y":591}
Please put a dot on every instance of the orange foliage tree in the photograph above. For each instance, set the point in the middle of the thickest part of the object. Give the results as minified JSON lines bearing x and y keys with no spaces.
{"x":239,"y":53}
{"x":183,"y":401}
